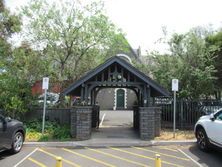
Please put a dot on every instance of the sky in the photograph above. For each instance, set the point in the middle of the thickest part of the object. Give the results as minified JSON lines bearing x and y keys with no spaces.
{"x":142,"y":20}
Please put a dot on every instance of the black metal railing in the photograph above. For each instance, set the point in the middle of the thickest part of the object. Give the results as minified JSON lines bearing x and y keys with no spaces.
{"x":187,"y":111}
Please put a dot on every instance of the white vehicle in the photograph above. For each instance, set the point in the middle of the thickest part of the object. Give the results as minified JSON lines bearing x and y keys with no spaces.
{"x":51,"y":98}
{"x":208,"y":130}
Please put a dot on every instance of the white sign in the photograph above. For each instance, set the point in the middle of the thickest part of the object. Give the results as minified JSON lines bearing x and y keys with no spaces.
{"x":45,"y":83}
{"x":175,"y":84}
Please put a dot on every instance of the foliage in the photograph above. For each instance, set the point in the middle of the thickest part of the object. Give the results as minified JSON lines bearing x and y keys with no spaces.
{"x":53,"y":131}
{"x":214,"y":44}
{"x":61,"y":41}
{"x":32,"y":135}
{"x":12,"y":89}
{"x":15,"y":82}
{"x":190,"y":61}
{"x":74,"y":38}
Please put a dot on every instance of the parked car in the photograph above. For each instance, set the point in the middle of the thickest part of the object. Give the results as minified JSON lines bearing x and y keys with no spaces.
{"x":207,"y":110}
{"x":51,"y":98}
{"x":208,"y":131}
{"x":12,"y":134}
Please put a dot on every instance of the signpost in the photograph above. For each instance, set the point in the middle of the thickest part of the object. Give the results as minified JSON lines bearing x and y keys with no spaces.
{"x":45,"y":86}
{"x":174,"y":89}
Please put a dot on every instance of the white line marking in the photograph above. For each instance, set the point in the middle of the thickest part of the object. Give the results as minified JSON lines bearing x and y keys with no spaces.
{"x":101,"y":123}
{"x":26,"y":157}
{"x":190,"y":158}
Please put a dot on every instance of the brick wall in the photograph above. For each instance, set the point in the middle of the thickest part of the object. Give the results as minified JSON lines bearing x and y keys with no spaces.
{"x":81,"y":122}
{"x":149,"y":122}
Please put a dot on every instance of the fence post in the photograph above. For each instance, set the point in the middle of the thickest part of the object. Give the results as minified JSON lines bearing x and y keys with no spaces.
{"x":157,"y":161}
{"x":181,"y":114}
{"x":59,"y":162}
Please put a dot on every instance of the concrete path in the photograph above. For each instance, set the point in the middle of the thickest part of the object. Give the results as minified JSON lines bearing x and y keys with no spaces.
{"x":115,"y":125}
{"x":110,"y":118}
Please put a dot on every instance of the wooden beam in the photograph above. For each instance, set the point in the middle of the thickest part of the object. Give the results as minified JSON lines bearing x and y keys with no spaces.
{"x":115,"y":68}
{"x":121,"y":74}
{"x":103,"y":76}
{"x":128,"y":76}
{"x":82,"y":92}
{"x":115,"y":83}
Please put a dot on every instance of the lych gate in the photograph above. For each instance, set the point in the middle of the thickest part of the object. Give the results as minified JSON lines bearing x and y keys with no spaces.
{"x":115,"y":73}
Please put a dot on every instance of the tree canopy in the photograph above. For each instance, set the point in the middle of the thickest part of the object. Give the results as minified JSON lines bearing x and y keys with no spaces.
{"x":64,"y":39}
{"x":188,"y":60}
{"x":214,"y":44}
{"x":73,"y":38}
{"x":61,"y":40}
{"x":13,"y":94}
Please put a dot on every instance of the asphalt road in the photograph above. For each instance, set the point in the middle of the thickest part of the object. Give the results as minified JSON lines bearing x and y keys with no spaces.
{"x":188,"y":156}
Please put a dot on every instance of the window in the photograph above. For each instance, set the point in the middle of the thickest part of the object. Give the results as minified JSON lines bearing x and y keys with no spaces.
{"x":218,"y":116}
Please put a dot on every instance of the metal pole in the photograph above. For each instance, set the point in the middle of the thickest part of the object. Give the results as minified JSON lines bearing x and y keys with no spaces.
{"x":44,"y":108}
{"x":174,"y":113}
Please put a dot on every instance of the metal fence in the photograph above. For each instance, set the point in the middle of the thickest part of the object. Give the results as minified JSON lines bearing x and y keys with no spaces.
{"x":187,"y":111}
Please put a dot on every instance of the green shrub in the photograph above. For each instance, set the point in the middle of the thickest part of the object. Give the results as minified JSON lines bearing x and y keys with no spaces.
{"x":53,"y":130}
{"x":62,"y":132}
{"x":44,"y":137}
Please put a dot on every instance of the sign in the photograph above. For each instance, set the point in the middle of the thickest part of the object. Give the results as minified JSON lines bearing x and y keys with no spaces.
{"x":45,"y":83}
{"x":45,"y":86}
{"x":174,"y":89}
{"x":175,"y":84}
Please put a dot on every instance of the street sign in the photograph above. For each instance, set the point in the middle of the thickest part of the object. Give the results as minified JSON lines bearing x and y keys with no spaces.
{"x":45,"y":83}
{"x":45,"y":86}
{"x":175,"y":84}
{"x":174,"y":89}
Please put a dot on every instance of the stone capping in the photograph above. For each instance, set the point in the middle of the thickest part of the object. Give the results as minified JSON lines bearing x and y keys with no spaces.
{"x":81,"y":122}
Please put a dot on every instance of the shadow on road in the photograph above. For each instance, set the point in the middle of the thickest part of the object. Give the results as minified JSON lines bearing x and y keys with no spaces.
{"x":116,"y":133}
{"x":211,"y":158}
{"x":5,"y":154}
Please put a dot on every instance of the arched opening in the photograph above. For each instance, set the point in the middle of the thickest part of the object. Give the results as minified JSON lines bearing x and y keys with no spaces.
{"x":116,"y":113}
{"x":116,"y":98}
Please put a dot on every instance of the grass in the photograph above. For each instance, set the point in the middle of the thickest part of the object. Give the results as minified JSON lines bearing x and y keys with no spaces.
{"x":167,"y":134}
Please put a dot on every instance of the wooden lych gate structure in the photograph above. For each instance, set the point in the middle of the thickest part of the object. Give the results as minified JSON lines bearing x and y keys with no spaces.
{"x":116,"y":73}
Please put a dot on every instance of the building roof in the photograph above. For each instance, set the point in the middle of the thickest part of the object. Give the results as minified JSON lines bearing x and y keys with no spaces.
{"x":125,"y":65}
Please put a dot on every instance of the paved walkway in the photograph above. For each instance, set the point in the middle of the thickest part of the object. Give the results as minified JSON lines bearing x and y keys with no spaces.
{"x":110,"y":118}
{"x":115,"y":125}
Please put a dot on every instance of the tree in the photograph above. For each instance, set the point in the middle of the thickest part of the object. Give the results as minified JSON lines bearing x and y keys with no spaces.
{"x":19,"y":74}
{"x":72,"y":37}
{"x":214,"y":44}
{"x":9,"y":24}
{"x":190,"y":61}
{"x":11,"y":90}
